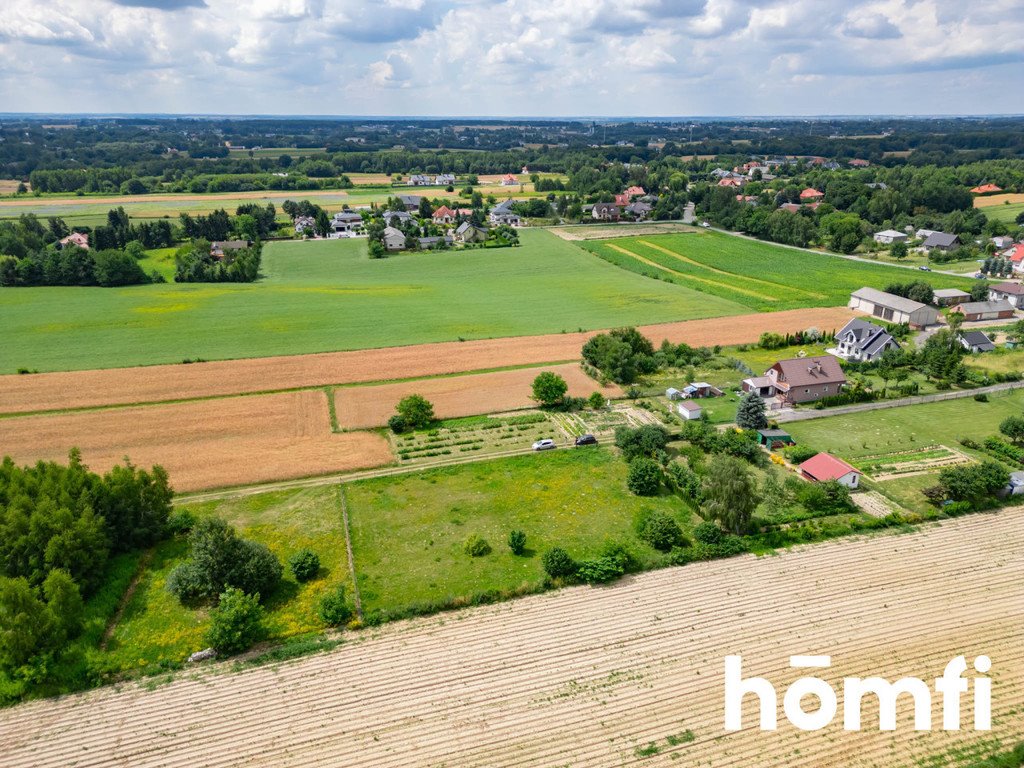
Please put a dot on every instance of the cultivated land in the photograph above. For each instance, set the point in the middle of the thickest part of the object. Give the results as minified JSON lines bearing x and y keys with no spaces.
{"x":371,"y":406}
{"x":586,"y":677}
{"x":1001,"y":207}
{"x":328,"y":295}
{"x":160,"y":383}
{"x":758,"y":275}
{"x":203,"y":443}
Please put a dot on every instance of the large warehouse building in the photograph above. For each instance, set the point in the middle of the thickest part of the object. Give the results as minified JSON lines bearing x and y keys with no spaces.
{"x":892,"y":308}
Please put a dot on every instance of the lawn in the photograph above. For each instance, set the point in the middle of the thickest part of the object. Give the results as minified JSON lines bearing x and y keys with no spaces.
{"x":909,"y":427}
{"x":328,"y":295}
{"x":160,"y":260}
{"x":156,"y":628}
{"x":1005,"y":212}
{"x":759,"y":275}
{"x":408,"y":531}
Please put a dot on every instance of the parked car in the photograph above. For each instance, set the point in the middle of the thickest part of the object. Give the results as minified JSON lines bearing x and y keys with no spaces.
{"x":544,"y":445}
{"x":925,"y":269}
{"x":705,"y":225}
{"x":586,"y":440}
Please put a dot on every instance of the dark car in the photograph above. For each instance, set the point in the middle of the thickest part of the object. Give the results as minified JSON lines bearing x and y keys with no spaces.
{"x":586,"y":440}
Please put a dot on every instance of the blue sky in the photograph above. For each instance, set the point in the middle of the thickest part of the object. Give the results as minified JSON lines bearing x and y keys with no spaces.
{"x":513,"y":57}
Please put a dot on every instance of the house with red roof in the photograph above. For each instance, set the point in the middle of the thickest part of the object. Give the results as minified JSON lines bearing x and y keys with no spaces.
{"x":1016,"y":256}
{"x":508,"y":180}
{"x":444,"y":215}
{"x":986,"y":189}
{"x":824,"y":467}
{"x":811,"y":195}
{"x":76,"y":240}
{"x":731,"y":182}
{"x":859,"y":163}
{"x":635,"y":191}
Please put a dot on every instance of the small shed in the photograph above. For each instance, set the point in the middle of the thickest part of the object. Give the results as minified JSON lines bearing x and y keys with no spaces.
{"x":774,"y":437}
{"x":689,"y":410}
{"x":701,"y":389}
{"x":673,"y":394}
{"x":947,"y":297}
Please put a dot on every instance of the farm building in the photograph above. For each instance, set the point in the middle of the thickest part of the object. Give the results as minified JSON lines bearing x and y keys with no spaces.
{"x":984,"y":310}
{"x":75,"y":239}
{"x":976,"y":341}
{"x":942,"y":241}
{"x":689,"y":410}
{"x":772,"y":438}
{"x":824,"y":467}
{"x":890,"y":236}
{"x":799,"y":380}
{"x":394,"y":239}
{"x":863,"y":341}
{"x":948,"y":297}
{"x":419,"y":180}
{"x":893,"y":309}
{"x":1011,"y":293}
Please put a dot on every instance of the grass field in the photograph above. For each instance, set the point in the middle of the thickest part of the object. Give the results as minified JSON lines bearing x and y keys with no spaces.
{"x":1004,"y":207}
{"x":328,"y":295}
{"x":759,"y":275}
{"x":408,"y":531}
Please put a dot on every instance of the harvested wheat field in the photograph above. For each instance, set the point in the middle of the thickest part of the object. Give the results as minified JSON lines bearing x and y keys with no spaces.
{"x":453,"y":396}
{"x":161,"y":383}
{"x":987,"y":201}
{"x":589,"y":676}
{"x":205,"y":443}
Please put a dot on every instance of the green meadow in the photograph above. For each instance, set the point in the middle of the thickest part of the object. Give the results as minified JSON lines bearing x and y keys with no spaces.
{"x":329,"y":295}
{"x":1006,"y":212}
{"x":761,"y":276}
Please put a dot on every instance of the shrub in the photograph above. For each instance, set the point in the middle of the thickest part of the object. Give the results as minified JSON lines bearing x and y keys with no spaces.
{"x":180,"y":522}
{"x":648,"y":440}
{"x":661,"y":531}
{"x":186,"y":582}
{"x":600,"y":570}
{"x":708,"y":533}
{"x":644,"y":477}
{"x":981,"y":397}
{"x":517,"y":542}
{"x":596,"y":400}
{"x":237,"y":622}
{"x":558,"y":564}
{"x":799,"y":453}
{"x":304,"y":565}
{"x":397,"y":424}
{"x":476,"y":546}
{"x":333,"y":609}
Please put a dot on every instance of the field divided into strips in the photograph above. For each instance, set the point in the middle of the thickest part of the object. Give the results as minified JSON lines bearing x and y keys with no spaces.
{"x":371,"y":406}
{"x":1004,"y":208}
{"x":759,"y":275}
{"x":203,"y":443}
{"x":328,"y":295}
{"x":594,"y":677}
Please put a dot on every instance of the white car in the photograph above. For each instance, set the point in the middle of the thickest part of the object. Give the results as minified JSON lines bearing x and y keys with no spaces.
{"x":705,"y":225}
{"x":544,"y":445}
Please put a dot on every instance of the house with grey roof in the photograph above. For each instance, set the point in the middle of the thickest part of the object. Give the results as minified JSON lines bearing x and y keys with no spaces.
{"x":892,"y":308}
{"x":346,"y":221}
{"x":890,"y":236}
{"x":948,"y":297}
{"x":394,"y":239}
{"x":395,"y":218}
{"x":502,"y":213}
{"x":942,"y":241}
{"x":639,"y":210}
{"x":468,"y":233}
{"x":605,"y":211}
{"x":976,"y":341}
{"x":974,"y":311}
{"x":863,"y":341}
{"x":411,"y":202}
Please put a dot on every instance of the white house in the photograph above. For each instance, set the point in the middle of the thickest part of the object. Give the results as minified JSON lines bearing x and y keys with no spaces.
{"x":394,"y":239}
{"x":864,"y":341}
{"x":1011,"y":293}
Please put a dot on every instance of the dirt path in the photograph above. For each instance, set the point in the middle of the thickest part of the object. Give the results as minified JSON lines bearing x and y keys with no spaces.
{"x":163,"y":383}
{"x":126,"y":598}
{"x":588,"y":676}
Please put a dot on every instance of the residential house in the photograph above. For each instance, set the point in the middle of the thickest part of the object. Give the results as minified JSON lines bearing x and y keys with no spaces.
{"x":976,"y":341}
{"x":1002,"y":242}
{"x":508,"y":180}
{"x":774,"y":438}
{"x":892,"y":308}
{"x":942,"y":241}
{"x":732,"y":182}
{"x":395,"y":218}
{"x":799,"y":380}
{"x":689,"y":410}
{"x":924,"y":234}
{"x":974,"y":311}
{"x":444,"y":215}
{"x":1016,"y":485}
{"x":890,"y":236}
{"x":444,"y":179}
{"x":411,"y":202}
{"x":468,"y":233}
{"x":502,"y":213}
{"x":811,"y":195}
{"x":75,"y":240}
{"x":863,"y":341}
{"x":824,"y":467}
{"x":635,"y":191}
{"x":419,"y":180}
{"x":948,"y":297}
{"x":302,"y":223}
{"x":347,"y":221}
{"x":986,"y":189}
{"x":426,"y":243}
{"x":639,"y":211}
{"x":1011,"y":293}
{"x":748,"y":200}
{"x":791,"y":207}
{"x":394,"y":239}
{"x":220,"y":247}
{"x":605,"y":212}
{"x":877,"y":185}
{"x":1015,"y":255}
{"x":859,"y":163}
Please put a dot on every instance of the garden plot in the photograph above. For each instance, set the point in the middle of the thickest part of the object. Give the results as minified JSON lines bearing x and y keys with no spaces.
{"x":889,"y":466}
{"x":481,"y":436}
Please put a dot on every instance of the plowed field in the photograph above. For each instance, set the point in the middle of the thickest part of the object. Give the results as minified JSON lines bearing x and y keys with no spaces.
{"x":589,"y":676}
{"x":370,"y":406}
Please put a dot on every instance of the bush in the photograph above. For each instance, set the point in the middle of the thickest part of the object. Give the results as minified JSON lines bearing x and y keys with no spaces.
{"x":304,"y":565}
{"x":600,"y":570}
{"x":708,"y":533}
{"x":661,"y":531}
{"x":558,"y":564}
{"x":333,"y":609}
{"x":476,"y":546}
{"x":237,"y":622}
{"x":799,"y":453}
{"x":180,"y":522}
{"x":596,"y":401}
{"x":186,"y":582}
{"x":517,"y":542}
{"x":648,"y":440}
{"x":416,"y":410}
{"x":644,"y":477}
{"x":397,"y":424}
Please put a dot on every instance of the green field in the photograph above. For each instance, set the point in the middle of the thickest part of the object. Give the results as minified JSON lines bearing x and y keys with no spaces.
{"x":1007,"y":212}
{"x":328,"y":295}
{"x":909,"y":427}
{"x":759,"y":275}
{"x":408,"y":531}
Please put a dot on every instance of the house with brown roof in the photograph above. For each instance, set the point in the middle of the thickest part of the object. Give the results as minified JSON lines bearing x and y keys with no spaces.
{"x":508,"y":180}
{"x":811,"y":195}
{"x":444,"y":215}
{"x":806,"y":379}
{"x":605,"y":212}
{"x":75,"y":240}
{"x":1011,"y":293}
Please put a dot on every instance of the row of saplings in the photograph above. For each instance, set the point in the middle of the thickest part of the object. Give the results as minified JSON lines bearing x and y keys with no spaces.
{"x":232,"y":574}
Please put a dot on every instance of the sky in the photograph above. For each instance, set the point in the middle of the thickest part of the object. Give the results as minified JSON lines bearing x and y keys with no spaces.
{"x":513,"y":57}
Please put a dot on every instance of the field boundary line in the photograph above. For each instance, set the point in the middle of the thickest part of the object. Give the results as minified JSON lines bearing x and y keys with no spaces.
{"x":348,"y":548}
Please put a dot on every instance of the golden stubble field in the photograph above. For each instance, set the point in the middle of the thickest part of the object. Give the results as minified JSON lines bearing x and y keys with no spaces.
{"x":586,"y":677}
